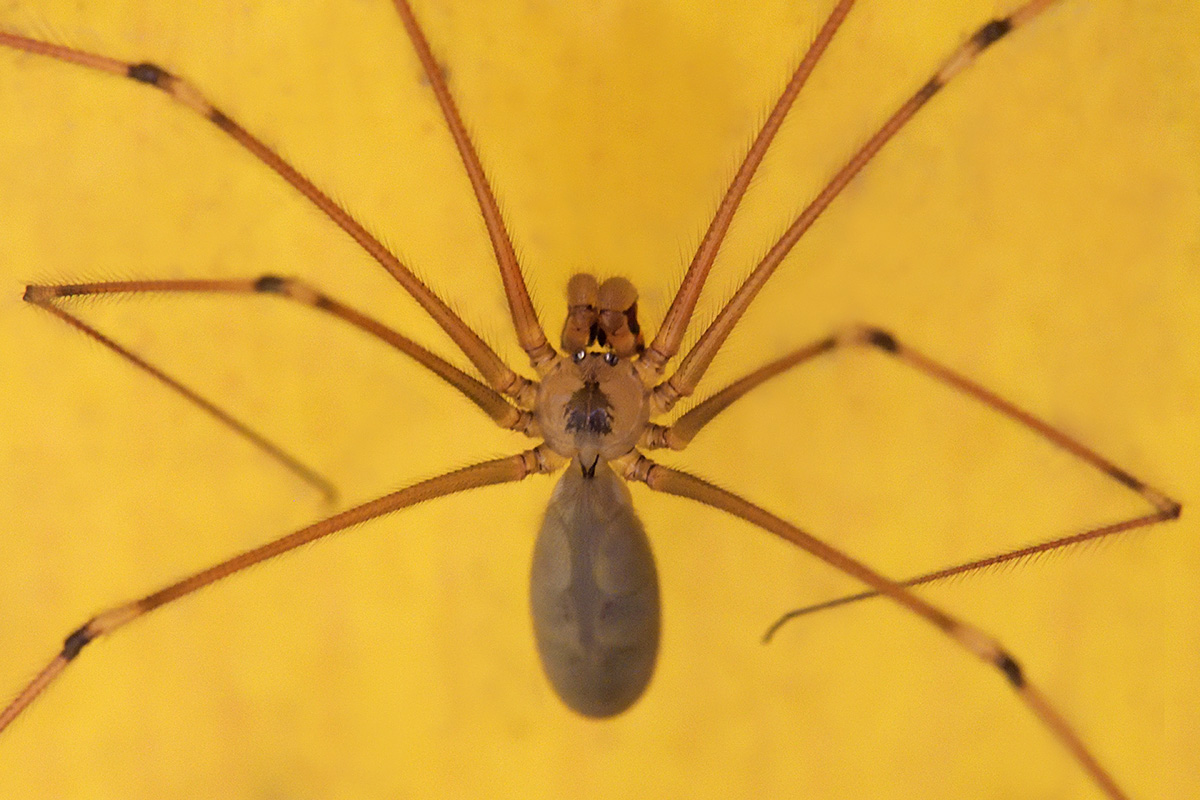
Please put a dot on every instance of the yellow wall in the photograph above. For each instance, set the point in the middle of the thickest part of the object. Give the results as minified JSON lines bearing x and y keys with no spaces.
{"x":1038,"y":227}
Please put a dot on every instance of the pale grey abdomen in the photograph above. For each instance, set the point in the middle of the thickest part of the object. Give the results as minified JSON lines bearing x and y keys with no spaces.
{"x":594,"y":594}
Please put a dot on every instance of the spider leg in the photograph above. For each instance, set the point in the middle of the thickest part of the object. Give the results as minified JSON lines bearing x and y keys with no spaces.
{"x":492,"y":402}
{"x":693,"y":366}
{"x":1020,"y":554}
{"x":489,"y":400}
{"x":44,"y":297}
{"x":496,"y":373}
{"x":680,"y":434}
{"x":503,"y":470}
{"x":670,"y":334}
{"x":525,"y":320}
{"x":672,"y":481}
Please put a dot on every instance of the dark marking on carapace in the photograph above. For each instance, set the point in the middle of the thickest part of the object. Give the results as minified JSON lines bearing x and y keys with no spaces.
{"x":218,"y":118}
{"x":588,"y":411}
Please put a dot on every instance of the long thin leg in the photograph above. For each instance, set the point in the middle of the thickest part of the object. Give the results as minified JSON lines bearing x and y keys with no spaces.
{"x":688,"y":425}
{"x":491,"y":401}
{"x":43,"y":297}
{"x":529,"y":330}
{"x":501,"y":470}
{"x":1020,"y":554}
{"x":679,"y":435}
{"x":684,"y":380}
{"x":670,"y":334}
{"x":496,"y":373}
{"x":972,"y":639}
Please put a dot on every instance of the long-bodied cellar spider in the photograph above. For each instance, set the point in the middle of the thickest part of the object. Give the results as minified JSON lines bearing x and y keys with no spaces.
{"x":462,"y":694}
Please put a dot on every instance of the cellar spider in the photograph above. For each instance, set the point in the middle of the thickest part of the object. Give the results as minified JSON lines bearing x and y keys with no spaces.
{"x":546,"y":289}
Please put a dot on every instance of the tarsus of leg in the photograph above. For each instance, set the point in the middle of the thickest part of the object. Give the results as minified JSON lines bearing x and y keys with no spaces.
{"x":502,"y":470}
{"x":1011,"y":557}
{"x":525,"y":320}
{"x":974,"y":640}
{"x":666,"y":341}
{"x":495,"y":372}
{"x":684,"y":380}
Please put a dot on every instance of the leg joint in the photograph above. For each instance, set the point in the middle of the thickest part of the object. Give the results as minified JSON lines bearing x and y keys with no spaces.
{"x":76,"y":641}
{"x":1011,"y":669}
{"x":868,"y":335}
{"x":880,"y":338}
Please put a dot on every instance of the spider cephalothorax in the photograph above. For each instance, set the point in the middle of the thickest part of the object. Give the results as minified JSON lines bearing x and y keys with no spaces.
{"x":595,"y":403}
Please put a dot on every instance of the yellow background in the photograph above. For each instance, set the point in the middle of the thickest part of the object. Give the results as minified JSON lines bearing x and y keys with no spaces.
{"x":1038,"y":227}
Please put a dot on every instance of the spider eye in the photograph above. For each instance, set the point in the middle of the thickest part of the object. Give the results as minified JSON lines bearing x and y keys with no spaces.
{"x":611,"y":359}
{"x":580,"y":356}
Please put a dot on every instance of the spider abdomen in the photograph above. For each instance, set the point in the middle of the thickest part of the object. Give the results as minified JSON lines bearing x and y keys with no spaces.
{"x":594,"y":594}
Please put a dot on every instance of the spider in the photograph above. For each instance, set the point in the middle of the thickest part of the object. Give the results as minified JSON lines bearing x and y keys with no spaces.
{"x":878,"y":339}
